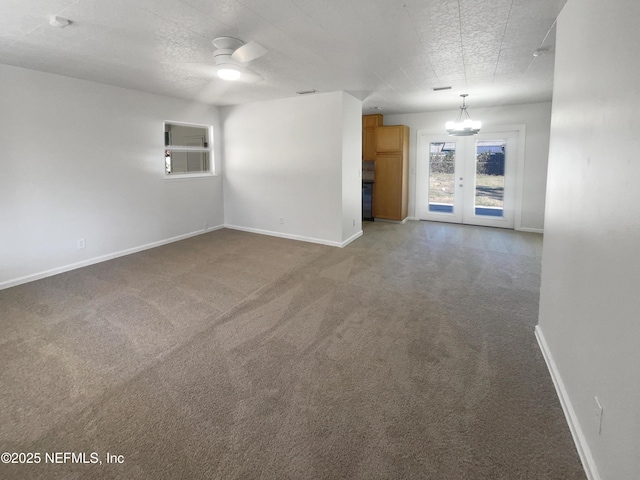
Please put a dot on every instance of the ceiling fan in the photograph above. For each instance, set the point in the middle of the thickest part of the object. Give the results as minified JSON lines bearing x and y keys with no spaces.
{"x":230,"y":57}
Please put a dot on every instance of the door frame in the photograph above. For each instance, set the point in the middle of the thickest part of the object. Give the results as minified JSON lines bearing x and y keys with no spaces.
{"x":423,"y":142}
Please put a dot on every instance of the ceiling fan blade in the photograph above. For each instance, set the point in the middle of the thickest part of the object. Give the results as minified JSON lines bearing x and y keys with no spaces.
{"x":213,"y":92}
{"x":248,"y":51}
{"x":247,"y":75}
{"x":199,"y":69}
{"x":211,"y":71}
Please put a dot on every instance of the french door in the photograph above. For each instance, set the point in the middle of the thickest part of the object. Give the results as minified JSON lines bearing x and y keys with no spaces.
{"x":468,"y":179}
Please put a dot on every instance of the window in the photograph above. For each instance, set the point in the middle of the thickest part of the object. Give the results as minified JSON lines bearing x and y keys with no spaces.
{"x":187,"y":149}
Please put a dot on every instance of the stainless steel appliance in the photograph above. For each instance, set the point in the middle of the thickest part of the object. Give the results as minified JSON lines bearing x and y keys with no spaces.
{"x":367,"y":200}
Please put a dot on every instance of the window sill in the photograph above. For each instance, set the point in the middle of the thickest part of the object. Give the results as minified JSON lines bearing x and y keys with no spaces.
{"x":183,"y":176}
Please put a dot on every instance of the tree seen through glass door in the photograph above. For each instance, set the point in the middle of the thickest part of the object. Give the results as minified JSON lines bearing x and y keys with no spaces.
{"x":442,"y":160}
{"x":489,"y":191}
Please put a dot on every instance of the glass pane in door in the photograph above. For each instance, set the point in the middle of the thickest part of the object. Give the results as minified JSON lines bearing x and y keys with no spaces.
{"x":442,"y":159}
{"x":489,"y":191}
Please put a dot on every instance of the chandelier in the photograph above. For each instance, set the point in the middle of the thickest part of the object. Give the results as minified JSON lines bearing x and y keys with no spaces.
{"x":463,"y":125}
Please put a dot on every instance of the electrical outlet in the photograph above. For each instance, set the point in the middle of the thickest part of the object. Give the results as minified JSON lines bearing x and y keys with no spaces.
{"x":281,"y":220}
{"x":81,"y":243}
{"x":598,"y":415}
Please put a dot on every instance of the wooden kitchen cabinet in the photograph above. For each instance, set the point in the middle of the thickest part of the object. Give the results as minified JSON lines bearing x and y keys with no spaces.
{"x":391,"y":187}
{"x":370,"y":121}
{"x":369,"y":124}
{"x":390,"y":139}
{"x":368,"y":144}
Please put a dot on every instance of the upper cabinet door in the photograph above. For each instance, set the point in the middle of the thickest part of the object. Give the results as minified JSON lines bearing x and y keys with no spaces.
{"x":369,"y":144}
{"x":371,"y":120}
{"x":369,"y":124}
{"x":389,"y":139}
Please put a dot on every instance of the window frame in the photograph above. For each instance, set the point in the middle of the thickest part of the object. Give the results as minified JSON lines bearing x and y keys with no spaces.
{"x":184,"y":149}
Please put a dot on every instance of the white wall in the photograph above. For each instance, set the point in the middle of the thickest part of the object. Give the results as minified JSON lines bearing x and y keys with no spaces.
{"x":84,"y":160}
{"x":590,"y":295}
{"x":291,"y":159}
{"x":537,"y":119}
{"x":351,"y":167}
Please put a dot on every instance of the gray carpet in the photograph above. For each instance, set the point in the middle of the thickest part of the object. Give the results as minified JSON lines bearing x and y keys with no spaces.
{"x":408,"y":354}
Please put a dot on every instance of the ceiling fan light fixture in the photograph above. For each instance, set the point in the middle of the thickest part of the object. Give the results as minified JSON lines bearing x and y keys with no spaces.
{"x":230,"y":57}
{"x":463,"y":126}
{"x":229,"y":73}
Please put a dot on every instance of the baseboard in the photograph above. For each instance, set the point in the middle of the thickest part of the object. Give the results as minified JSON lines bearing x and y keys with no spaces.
{"x":290,"y":236}
{"x":102,"y":258}
{"x":351,"y":238}
{"x":530,"y":230}
{"x":572,"y":420}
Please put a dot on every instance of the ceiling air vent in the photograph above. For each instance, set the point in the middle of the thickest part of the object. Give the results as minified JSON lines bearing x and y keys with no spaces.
{"x":306,"y":92}
{"x":437,"y":89}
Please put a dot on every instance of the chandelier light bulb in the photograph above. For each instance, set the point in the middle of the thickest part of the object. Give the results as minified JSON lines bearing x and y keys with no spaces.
{"x":463,"y":126}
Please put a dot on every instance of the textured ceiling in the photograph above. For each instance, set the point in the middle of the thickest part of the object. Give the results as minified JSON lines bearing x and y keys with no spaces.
{"x":389,"y":53}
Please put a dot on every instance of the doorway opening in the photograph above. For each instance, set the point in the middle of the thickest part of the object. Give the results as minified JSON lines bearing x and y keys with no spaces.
{"x":469,"y":180}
